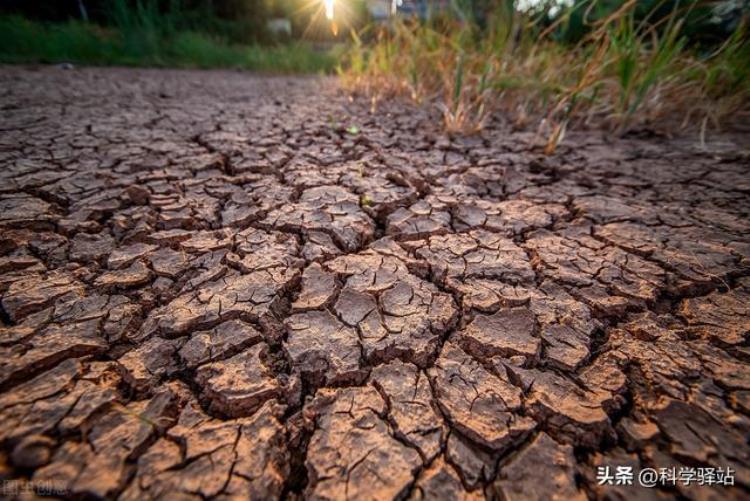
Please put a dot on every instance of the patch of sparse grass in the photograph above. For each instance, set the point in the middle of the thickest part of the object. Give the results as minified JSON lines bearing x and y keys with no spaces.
{"x":24,"y":41}
{"x":626,"y":72}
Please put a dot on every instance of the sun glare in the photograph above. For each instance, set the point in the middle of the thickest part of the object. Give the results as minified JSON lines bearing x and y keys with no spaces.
{"x":329,"y":9}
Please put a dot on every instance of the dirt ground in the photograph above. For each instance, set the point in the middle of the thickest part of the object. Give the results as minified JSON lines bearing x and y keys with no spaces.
{"x":216,"y":285}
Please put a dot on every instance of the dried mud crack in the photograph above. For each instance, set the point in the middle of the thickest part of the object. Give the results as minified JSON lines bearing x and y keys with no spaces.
{"x":211,"y":290}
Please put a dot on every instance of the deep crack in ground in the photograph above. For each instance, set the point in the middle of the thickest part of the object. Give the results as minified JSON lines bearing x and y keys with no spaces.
{"x":206,"y":294}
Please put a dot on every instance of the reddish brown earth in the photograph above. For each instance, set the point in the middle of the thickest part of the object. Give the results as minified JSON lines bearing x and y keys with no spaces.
{"x":210,"y":289}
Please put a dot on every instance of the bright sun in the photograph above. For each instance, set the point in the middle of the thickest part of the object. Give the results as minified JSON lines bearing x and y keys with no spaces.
{"x":329,"y":8}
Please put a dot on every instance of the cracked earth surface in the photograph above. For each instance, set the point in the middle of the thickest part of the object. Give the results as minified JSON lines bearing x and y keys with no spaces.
{"x":210,"y":289}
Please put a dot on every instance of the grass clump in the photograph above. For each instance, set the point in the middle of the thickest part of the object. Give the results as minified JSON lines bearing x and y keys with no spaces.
{"x":135,"y":41}
{"x":628,"y":68}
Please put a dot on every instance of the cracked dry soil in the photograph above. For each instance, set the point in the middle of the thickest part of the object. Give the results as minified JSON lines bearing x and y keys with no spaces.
{"x":211,"y":290}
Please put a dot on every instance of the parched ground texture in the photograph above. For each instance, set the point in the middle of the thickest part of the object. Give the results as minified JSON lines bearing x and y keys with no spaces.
{"x":212,"y":289}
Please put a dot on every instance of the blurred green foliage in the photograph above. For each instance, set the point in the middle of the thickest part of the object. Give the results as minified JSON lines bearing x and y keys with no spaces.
{"x":195,"y":33}
{"x":136,"y":44}
{"x":705,"y":22}
{"x":235,"y":21}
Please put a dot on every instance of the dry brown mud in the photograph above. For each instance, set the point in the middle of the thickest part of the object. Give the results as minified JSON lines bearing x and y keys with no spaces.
{"x":212,"y":289}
